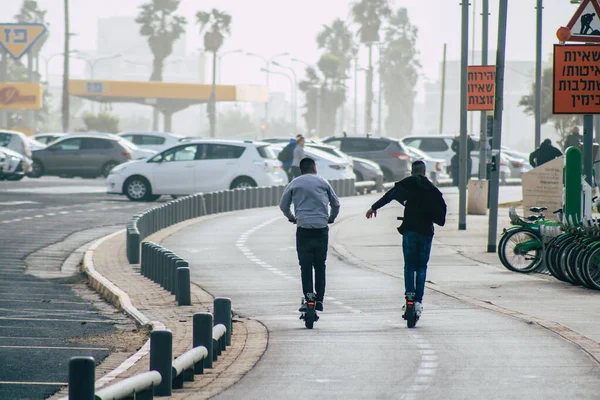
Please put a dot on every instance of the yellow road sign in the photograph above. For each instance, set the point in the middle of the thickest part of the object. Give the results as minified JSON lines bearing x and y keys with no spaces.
{"x":17,"y":39}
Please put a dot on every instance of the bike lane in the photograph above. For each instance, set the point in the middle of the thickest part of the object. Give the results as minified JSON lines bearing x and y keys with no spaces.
{"x":361,"y":347}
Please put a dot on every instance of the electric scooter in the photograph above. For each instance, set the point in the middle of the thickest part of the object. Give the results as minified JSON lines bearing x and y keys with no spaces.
{"x":310,"y":316}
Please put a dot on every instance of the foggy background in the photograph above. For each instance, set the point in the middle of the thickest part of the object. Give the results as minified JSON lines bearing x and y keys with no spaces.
{"x":267,"y":27}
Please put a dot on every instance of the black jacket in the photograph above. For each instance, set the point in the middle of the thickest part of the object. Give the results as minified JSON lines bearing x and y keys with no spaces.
{"x":546,"y":152}
{"x":423,"y":204}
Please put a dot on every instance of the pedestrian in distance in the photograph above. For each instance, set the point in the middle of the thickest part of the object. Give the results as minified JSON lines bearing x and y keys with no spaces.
{"x":286,"y":156}
{"x":574,"y":139}
{"x":298,"y":156}
{"x":313,"y":197}
{"x":424,"y":205}
{"x":546,"y":152}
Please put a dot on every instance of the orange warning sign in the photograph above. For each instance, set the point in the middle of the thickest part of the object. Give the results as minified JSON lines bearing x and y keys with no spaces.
{"x":481,"y":90}
{"x":576,"y":79}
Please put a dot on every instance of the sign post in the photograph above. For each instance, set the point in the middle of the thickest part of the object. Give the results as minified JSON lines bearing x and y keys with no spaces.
{"x":17,"y":40}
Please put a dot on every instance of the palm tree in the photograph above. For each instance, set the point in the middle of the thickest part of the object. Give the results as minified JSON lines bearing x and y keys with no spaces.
{"x":370,"y":14}
{"x":399,"y":70}
{"x":338,"y":40}
{"x":162,"y":27}
{"x":219,"y":26}
{"x":31,"y":13}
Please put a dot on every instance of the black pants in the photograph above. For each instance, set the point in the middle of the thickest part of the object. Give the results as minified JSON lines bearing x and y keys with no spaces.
{"x":295,"y":172}
{"x":311,"y":245}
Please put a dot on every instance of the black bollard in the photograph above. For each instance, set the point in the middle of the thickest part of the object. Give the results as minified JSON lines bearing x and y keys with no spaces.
{"x":161,"y":359}
{"x":82,"y":375}
{"x":222,"y":307}
{"x":183,"y":294}
{"x":202,"y":336}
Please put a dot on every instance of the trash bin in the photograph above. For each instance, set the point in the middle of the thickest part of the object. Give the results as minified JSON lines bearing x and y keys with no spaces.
{"x":477,"y":197}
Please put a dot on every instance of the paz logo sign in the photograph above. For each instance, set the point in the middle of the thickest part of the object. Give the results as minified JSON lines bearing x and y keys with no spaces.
{"x":17,"y":39}
{"x":20,"y":96}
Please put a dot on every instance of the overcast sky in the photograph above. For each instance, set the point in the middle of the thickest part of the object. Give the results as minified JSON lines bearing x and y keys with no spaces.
{"x":268,"y":27}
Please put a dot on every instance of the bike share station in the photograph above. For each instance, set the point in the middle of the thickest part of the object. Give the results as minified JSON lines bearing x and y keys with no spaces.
{"x":568,"y":247}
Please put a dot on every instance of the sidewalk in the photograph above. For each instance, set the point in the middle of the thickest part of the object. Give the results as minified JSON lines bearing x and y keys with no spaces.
{"x":461,"y":268}
{"x":121,"y":284}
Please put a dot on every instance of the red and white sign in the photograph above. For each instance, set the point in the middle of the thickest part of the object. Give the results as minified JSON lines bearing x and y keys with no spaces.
{"x":585,"y":24}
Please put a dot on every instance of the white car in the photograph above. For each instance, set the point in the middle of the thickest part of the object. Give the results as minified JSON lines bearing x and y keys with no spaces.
{"x":16,"y":141}
{"x":157,"y":141}
{"x":440,"y":146}
{"x":203,"y":165}
{"x":329,"y":166}
{"x":437,"y":165}
{"x":13,"y":166}
{"x":47,"y":138}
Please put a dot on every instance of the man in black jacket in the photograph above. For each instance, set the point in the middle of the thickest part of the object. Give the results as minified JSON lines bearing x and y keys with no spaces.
{"x":546,"y":152}
{"x":424,"y":205}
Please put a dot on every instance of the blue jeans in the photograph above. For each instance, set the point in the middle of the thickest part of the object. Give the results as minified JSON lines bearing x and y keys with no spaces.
{"x":416,"y":248}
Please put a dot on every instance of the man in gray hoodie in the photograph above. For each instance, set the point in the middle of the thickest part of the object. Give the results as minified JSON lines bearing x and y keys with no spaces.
{"x":312,"y":195}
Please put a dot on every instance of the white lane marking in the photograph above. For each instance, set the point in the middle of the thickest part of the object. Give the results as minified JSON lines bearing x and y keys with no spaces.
{"x":51,"y":214}
{"x":241,"y":245}
{"x":427,"y":366}
{"x":16,"y":203}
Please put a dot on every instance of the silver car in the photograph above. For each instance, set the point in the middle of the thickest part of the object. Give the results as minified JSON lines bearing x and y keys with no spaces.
{"x":87,"y":156}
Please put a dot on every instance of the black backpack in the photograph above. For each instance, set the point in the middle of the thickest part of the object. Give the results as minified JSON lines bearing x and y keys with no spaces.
{"x":286,"y":154}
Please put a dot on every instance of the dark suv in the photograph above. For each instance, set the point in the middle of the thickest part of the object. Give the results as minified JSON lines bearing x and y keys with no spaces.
{"x":389,"y":153}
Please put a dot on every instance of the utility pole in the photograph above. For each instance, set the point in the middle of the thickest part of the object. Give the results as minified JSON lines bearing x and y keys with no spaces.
{"x":443,"y":91}
{"x":497,"y":141}
{"x":356,"y":96}
{"x":65,"y":89}
{"x":369,"y":93}
{"x":463,"y":173}
{"x":471,"y":115}
{"x":538,"y":75}
{"x":483,"y":139}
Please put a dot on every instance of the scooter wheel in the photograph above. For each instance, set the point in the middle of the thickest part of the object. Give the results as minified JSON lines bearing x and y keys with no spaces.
{"x":411,"y":318}
{"x":309,"y":321}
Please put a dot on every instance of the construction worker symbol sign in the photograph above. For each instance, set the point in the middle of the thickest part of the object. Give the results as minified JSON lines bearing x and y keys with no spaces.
{"x":585,"y":24}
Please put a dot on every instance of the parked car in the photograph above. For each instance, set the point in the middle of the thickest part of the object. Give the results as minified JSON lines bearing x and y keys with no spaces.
{"x":157,"y":141}
{"x":517,"y":162}
{"x":16,"y":141}
{"x":390,"y":154}
{"x":13,"y":166}
{"x":329,"y":166}
{"x":440,"y":146}
{"x":34,"y":144}
{"x":137,"y":153}
{"x":47,"y":138}
{"x":203,"y":165}
{"x":435,"y":167}
{"x":83,"y":155}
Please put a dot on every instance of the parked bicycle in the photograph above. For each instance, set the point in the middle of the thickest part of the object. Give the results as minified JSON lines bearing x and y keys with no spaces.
{"x":521,"y":247}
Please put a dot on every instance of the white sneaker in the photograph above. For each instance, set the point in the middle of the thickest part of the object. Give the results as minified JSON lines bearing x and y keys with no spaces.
{"x":418,"y":308}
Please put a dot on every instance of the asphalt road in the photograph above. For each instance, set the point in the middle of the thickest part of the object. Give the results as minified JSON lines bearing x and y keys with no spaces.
{"x":38,"y":317}
{"x":361,"y":348}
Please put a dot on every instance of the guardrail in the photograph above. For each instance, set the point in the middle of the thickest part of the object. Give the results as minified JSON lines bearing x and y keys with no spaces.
{"x":210,"y":339}
{"x":150,"y":221}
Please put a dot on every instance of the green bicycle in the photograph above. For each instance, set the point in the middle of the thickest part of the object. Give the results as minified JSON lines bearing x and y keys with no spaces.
{"x":521,"y":246}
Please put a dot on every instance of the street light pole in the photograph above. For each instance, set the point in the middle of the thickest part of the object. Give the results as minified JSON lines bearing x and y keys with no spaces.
{"x":268,"y":62}
{"x":463,"y":172}
{"x":267,"y":71}
{"x":294,"y":95}
{"x":225,"y":53}
{"x":538,"y":75}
